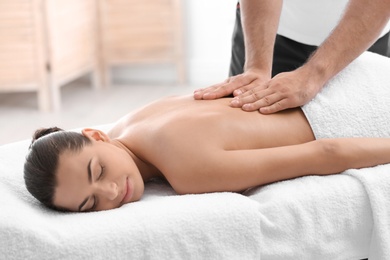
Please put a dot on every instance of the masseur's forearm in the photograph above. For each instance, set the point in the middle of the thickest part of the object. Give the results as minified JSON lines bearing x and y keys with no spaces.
{"x":260,"y":20}
{"x":357,"y":30}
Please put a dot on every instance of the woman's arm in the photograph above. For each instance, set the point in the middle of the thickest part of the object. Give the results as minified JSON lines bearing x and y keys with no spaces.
{"x":238,"y":170}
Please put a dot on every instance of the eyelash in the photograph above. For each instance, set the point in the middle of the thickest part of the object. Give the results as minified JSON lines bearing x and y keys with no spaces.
{"x":95,"y":200}
{"x":101,"y":172}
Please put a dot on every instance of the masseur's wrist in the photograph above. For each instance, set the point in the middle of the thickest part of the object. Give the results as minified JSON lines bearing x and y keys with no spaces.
{"x":260,"y":69}
{"x":311,"y":77}
{"x":317,"y":71}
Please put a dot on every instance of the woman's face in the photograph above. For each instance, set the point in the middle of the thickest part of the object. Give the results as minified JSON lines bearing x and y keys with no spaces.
{"x":101,"y":176}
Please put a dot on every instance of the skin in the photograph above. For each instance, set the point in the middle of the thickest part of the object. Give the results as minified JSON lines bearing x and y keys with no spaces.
{"x":357,"y":30}
{"x":202,"y":146}
{"x":111,"y":171}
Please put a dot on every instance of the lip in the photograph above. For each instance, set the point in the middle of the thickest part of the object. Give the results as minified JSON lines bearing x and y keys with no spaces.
{"x":128,"y":191}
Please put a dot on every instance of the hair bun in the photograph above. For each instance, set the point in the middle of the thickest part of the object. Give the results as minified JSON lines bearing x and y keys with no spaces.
{"x":43,"y":132}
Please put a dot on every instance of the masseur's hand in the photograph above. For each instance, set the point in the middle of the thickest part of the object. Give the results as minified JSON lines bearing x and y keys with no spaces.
{"x":255,"y":92}
{"x":285,"y":90}
{"x":235,"y":85}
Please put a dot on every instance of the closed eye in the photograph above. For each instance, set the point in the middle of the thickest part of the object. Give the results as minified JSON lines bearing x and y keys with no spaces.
{"x":95,"y":199}
{"x":95,"y":202}
{"x":101,"y":172}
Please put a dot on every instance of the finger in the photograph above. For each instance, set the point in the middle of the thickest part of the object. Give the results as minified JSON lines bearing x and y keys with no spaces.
{"x":264,"y":101}
{"x":198,"y":94}
{"x":275,"y":107}
{"x":216,"y":91}
{"x":253,"y":95}
{"x":221,"y":91}
{"x":248,"y":88}
{"x":249,"y":97}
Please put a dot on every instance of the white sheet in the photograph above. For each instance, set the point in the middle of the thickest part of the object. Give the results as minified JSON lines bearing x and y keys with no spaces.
{"x":376,"y":182}
{"x":314,"y":217}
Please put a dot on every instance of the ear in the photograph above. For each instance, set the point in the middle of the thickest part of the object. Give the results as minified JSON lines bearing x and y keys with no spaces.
{"x":95,"y":135}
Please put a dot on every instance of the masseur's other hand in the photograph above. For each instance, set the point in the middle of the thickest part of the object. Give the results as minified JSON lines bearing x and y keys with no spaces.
{"x":235,"y":85}
{"x":285,"y":90}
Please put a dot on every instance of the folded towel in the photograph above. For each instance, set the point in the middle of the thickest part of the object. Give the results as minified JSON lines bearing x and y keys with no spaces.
{"x":356,"y":102}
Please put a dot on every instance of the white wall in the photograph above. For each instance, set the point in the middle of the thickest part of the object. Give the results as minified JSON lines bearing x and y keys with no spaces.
{"x":208,"y":40}
{"x":208,"y":27}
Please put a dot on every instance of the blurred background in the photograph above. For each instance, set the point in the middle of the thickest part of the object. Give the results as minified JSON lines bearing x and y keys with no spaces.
{"x":79,"y":63}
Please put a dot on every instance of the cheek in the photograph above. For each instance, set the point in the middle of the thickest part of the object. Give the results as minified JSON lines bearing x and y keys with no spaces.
{"x":123,"y":163}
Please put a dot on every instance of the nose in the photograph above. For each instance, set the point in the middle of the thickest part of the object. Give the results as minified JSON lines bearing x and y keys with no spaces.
{"x":108,"y":190}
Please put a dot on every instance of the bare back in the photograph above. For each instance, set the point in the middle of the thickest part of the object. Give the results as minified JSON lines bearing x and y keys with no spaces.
{"x":173,"y":133}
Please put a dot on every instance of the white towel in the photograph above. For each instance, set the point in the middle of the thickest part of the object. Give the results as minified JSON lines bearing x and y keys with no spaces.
{"x":376,"y":181}
{"x":314,"y":217}
{"x":357,"y":103}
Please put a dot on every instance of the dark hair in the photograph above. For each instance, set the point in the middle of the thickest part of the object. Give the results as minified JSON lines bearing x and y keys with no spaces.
{"x":42,"y":161}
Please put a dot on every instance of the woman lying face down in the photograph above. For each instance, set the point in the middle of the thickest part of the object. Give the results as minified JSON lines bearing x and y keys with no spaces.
{"x":197,"y":146}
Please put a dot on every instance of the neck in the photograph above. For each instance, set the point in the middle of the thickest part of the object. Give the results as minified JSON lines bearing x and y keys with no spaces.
{"x":147,"y":170}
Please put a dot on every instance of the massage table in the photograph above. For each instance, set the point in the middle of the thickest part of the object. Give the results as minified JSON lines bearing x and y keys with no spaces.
{"x":342,"y":216}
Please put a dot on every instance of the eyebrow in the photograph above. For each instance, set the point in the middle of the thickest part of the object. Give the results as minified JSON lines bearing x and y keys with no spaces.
{"x":90,"y":181}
